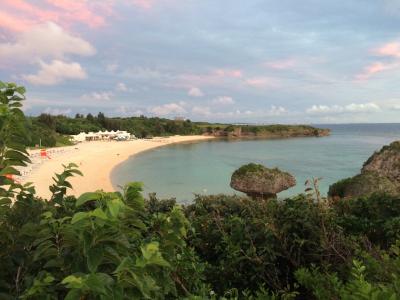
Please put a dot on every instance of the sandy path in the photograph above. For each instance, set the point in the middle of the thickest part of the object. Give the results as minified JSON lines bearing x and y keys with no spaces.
{"x":96,"y":160}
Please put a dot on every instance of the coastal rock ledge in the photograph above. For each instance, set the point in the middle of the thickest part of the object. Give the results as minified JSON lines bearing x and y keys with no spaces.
{"x":259,"y":182}
{"x":379,"y":174}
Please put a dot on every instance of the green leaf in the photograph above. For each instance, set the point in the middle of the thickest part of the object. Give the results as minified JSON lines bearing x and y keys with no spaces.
{"x":72,"y":165}
{"x":77,"y":172}
{"x":86,"y":197}
{"x":94,"y":258}
{"x":73,"y":282}
{"x":152,"y":256}
{"x":66,"y":184}
{"x":21,"y":90}
{"x":73,"y":295}
{"x":99,"y":213}
{"x":16,"y":146}
{"x":115,"y":206}
{"x":12,"y":154}
{"x":9,"y":170}
{"x":16,"y":104}
{"x":5,"y":201}
{"x":95,"y":284}
{"x":13,"y":162}
{"x":79,"y":216}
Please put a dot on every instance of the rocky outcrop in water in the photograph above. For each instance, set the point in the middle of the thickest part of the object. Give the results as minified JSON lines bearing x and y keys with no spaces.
{"x":260,"y":182}
{"x":380,"y":174}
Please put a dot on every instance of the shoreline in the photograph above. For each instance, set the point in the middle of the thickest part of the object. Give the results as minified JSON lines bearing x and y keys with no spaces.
{"x":96,"y":160}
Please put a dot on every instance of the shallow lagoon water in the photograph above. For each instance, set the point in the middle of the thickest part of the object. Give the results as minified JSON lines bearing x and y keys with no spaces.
{"x":205,"y":167}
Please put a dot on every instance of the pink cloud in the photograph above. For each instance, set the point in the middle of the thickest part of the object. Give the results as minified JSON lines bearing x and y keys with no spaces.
{"x":389,"y":49}
{"x":19,"y":15}
{"x":234,"y":73}
{"x":375,"y":68}
{"x":281,"y":64}
{"x":81,"y":11}
{"x":261,"y":82}
{"x":215,"y":77}
{"x":143,"y":4}
{"x":13,"y":23}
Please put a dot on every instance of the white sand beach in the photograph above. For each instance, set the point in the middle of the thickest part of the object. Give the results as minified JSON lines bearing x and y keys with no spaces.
{"x":96,"y":161}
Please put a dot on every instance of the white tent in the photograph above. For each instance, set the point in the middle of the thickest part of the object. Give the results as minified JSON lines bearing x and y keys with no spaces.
{"x":102,"y":135}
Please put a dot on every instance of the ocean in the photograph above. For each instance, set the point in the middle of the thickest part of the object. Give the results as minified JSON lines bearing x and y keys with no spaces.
{"x":182,"y":170}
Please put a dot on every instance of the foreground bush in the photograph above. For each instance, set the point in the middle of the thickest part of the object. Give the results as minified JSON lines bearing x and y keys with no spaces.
{"x":99,"y":246}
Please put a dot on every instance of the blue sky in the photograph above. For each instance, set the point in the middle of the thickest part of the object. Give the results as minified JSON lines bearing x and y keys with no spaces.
{"x":230,"y":61}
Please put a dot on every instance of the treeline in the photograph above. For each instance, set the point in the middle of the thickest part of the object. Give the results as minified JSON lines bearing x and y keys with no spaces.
{"x":50,"y":129}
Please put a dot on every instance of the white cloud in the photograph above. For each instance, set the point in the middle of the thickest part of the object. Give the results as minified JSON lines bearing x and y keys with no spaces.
{"x":57,"y":111}
{"x":121,"y":87}
{"x":396,"y":106}
{"x":97,"y":96}
{"x":201,"y":110}
{"x":350,"y":108}
{"x":195,"y":92}
{"x":168,"y":109}
{"x":276,"y":111}
{"x":55,"y":72}
{"x":127,"y":111}
{"x":206,"y":111}
{"x":44,"y":41}
{"x":223,"y":100}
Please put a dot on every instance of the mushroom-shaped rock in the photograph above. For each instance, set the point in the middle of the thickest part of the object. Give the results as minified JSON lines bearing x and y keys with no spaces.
{"x":364,"y":184}
{"x":386,"y":162}
{"x":260,"y":182}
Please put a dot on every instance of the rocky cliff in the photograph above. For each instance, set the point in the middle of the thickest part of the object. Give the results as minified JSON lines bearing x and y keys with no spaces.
{"x":386,"y":162}
{"x":379,"y":174}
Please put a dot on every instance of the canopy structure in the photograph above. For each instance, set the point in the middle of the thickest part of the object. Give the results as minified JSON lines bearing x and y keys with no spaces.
{"x":119,"y":135}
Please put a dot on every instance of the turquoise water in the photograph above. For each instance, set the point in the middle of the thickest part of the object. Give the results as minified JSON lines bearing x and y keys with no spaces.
{"x":205,"y":167}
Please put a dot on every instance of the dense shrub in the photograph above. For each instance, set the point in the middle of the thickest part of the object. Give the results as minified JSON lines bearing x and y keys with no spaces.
{"x":254,"y":243}
{"x":375,"y":218}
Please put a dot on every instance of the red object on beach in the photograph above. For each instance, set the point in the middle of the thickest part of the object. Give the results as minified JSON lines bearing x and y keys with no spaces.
{"x":43,"y":153}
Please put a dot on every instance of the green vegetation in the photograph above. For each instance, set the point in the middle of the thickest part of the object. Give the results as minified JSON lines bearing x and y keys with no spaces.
{"x":255,"y":168}
{"x":249,"y":168}
{"x":50,"y":131}
{"x":263,"y":131}
{"x":54,"y":130}
{"x":120,"y":246}
{"x":362,"y":184}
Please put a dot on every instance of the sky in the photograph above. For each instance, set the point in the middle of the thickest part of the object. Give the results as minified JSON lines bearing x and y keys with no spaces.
{"x":253,"y":61}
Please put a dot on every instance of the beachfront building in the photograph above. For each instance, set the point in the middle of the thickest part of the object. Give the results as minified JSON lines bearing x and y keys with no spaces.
{"x":119,"y":135}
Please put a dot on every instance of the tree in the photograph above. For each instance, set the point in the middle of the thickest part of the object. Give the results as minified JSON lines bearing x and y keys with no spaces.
{"x":101,"y":119}
{"x":47,"y":120}
{"x":90,"y":117}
